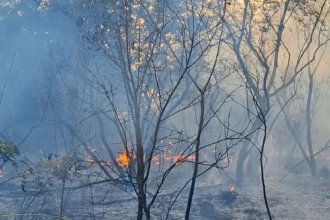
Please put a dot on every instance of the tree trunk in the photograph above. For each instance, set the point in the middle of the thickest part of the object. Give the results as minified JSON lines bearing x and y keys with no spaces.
{"x":253,"y":165}
{"x":309,"y":126}
{"x":62,"y":200}
{"x":140,"y":163}
{"x":195,"y":172}
{"x":140,"y":178}
{"x":244,"y":153}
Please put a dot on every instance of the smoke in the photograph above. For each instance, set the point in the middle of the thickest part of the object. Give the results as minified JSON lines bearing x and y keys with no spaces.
{"x":27,"y":39}
{"x":41,"y":49}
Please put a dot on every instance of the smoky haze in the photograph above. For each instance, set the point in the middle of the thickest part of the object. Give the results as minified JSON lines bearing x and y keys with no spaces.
{"x":164,"y":110}
{"x":29,"y":39}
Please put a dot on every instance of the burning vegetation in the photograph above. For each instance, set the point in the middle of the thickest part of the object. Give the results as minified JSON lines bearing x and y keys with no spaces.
{"x":123,"y":159}
{"x":156,"y":99}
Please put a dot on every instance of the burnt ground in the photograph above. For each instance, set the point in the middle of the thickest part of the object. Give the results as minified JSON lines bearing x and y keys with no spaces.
{"x":298,"y":198}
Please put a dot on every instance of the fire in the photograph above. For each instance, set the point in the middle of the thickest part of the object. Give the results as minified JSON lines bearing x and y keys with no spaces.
{"x":179,"y":158}
{"x":232,"y":189}
{"x":227,"y":160}
{"x":88,"y":159}
{"x":176,"y":158}
{"x":122,"y":159}
{"x":156,"y":160}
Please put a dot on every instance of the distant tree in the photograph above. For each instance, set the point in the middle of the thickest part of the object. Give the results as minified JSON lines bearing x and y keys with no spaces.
{"x":299,"y":116}
{"x":260,"y":40}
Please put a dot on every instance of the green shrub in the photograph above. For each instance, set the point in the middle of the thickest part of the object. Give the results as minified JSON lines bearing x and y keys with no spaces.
{"x":8,"y":151}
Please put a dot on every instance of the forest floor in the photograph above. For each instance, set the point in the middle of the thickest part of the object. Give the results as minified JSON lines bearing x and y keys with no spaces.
{"x":296,"y":197}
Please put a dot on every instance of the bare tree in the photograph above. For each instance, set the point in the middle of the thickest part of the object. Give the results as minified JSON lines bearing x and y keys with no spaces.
{"x":307,"y":111}
{"x":258,"y":39}
{"x":162,"y":62}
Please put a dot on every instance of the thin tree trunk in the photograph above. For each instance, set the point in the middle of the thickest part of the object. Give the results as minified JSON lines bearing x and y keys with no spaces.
{"x":195,"y":172}
{"x":309,"y":126}
{"x":62,"y":200}
{"x":140,"y":177}
{"x":262,"y":170}
{"x":243,"y":154}
{"x":140,"y":165}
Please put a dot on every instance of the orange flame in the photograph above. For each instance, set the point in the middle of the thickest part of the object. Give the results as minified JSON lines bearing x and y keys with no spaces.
{"x":122,"y":159}
{"x":88,"y":159}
